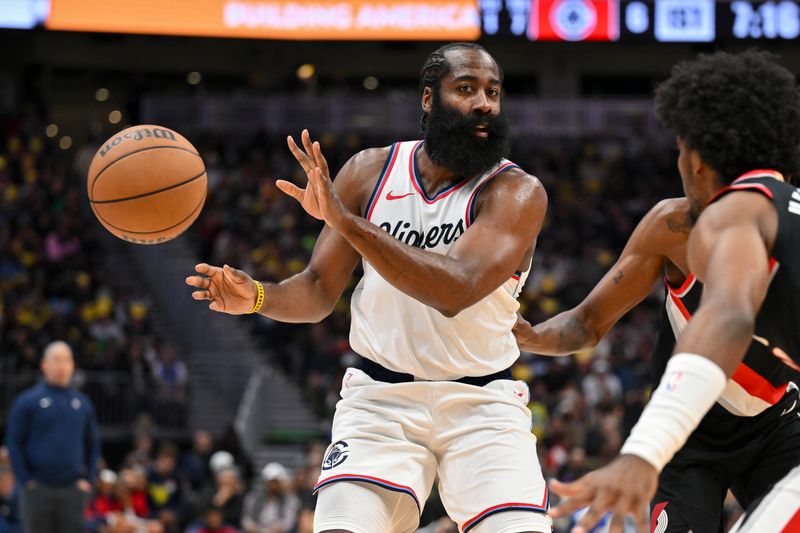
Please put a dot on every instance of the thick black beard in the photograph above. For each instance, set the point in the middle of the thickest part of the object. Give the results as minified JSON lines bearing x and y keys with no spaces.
{"x":450,"y":140}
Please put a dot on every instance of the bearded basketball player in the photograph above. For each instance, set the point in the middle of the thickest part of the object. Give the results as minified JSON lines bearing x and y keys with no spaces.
{"x":445,"y":228}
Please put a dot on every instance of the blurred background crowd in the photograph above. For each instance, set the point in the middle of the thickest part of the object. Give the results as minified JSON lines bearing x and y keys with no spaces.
{"x":53,"y":287}
{"x":162,"y":470}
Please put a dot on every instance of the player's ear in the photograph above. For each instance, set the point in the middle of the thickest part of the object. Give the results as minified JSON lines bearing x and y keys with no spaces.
{"x":696,"y":163}
{"x":427,"y":99}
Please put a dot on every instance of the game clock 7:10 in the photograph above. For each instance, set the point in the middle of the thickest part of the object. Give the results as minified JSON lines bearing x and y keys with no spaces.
{"x":765,"y":20}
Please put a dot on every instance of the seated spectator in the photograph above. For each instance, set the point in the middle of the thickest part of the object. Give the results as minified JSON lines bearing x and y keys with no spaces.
{"x":226,"y":495}
{"x":220,"y":460}
{"x":272,"y":507}
{"x":164,"y":488}
{"x":133,"y":492}
{"x":118,"y":522}
{"x":106,"y":498}
{"x":194,"y":467}
{"x":213,"y":523}
{"x":142,"y":453}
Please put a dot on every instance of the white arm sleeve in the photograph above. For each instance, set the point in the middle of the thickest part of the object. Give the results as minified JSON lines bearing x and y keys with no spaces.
{"x":689,"y":388}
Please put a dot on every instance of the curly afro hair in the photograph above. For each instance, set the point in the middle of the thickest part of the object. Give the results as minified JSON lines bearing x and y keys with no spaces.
{"x":741,"y":112}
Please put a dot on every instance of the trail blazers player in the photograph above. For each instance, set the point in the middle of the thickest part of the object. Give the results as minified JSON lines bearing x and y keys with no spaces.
{"x":734,"y":116}
{"x":749,"y":437}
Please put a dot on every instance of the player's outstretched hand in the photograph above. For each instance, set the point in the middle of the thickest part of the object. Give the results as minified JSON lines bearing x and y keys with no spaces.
{"x":525,"y":334}
{"x":229,"y":290}
{"x":625,"y":486}
{"x":319,"y":198}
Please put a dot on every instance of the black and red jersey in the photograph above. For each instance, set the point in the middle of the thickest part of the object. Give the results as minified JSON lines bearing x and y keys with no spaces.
{"x":773,"y":358}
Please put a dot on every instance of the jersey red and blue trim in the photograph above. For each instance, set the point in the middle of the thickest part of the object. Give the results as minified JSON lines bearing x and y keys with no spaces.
{"x":387,"y":169}
{"x":413,"y":171}
{"x":388,"y":485}
{"x":510,"y":506}
{"x":469,"y":215}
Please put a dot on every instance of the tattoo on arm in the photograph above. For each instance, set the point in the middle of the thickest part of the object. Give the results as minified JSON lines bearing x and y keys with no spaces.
{"x":676,"y":226}
{"x":618,"y":277}
{"x":573,"y":336}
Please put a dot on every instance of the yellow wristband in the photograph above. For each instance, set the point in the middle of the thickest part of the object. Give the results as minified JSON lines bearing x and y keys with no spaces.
{"x":259,"y":298}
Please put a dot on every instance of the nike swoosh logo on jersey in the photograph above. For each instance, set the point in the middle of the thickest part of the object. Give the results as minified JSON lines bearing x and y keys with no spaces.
{"x":390,"y":196}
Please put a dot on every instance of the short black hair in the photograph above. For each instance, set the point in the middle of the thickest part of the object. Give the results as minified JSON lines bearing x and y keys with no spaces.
{"x":436,"y":67}
{"x":741,"y":112}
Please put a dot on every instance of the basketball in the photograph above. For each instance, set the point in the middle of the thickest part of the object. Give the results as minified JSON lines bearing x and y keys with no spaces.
{"x":147,"y":184}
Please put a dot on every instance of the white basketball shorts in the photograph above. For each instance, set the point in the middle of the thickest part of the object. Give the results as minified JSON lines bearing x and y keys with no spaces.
{"x":478,"y":441}
{"x":778,"y":511}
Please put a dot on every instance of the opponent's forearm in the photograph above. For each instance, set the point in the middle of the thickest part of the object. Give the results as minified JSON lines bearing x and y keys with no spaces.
{"x":433,"y":279}
{"x":299,"y":299}
{"x":564,"y":334}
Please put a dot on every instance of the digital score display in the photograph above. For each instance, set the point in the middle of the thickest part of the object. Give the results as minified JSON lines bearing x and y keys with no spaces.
{"x":709,"y":21}
{"x":681,"y":21}
{"x":684,"y":21}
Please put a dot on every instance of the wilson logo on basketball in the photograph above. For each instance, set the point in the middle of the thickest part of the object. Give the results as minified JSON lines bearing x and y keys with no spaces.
{"x":138,"y":135}
{"x":337,"y":455}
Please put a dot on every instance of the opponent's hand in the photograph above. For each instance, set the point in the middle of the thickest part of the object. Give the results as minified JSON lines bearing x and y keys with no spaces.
{"x":523,"y":332}
{"x":625,"y":486}
{"x":319,"y":198}
{"x":229,"y":290}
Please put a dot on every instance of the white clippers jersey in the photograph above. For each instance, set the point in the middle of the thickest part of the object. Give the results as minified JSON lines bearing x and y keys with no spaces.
{"x":405,"y":335}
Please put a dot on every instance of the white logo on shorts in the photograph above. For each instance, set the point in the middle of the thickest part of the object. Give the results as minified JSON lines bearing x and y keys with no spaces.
{"x":336,"y":456}
{"x":662,"y":522}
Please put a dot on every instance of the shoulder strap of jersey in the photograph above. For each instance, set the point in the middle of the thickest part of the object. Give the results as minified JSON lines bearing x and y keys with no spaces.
{"x":391,"y":159}
{"x":755,"y":180}
{"x":504,"y":165}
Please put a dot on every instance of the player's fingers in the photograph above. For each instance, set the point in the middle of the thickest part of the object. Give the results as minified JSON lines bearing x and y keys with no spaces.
{"x":320,"y":159}
{"x":593,"y":515}
{"x":238,"y":276}
{"x":568,"y":489}
{"x":197,"y":281}
{"x":291,"y":189}
{"x":305,"y":138}
{"x":588,"y":521}
{"x":298,"y":154}
{"x":321,"y":180}
{"x":567,"y":506}
{"x":642,"y":516}
{"x":617,"y":524}
{"x":201,"y":295}
{"x":316,"y":183}
{"x":215,"y":306}
{"x":203,"y":268}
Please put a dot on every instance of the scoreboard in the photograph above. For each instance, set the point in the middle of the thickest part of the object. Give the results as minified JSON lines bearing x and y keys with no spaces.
{"x":684,"y":21}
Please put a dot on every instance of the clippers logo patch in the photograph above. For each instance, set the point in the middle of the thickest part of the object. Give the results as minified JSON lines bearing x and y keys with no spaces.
{"x":336,"y":456}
